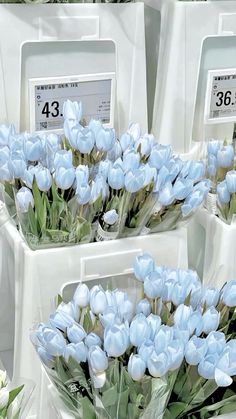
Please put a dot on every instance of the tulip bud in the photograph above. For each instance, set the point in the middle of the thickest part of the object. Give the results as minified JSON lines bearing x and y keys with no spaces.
{"x":97,"y":359}
{"x":81,"y":295}
{"x":136,"y":367}
{"x":24,"y":198}
{"x":4,"y":397}
{"x":75,"y":333}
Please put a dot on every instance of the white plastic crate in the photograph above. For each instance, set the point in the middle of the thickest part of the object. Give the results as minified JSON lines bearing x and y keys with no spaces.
{"x":94,"y":38}
{"x":196,"y":36}
{"x":40,"y":275}
{"x":212,"y":248}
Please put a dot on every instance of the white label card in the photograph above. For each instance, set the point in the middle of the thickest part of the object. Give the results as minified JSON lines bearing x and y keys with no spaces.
{"x":220,"y":104}
{"x":47,"y":96}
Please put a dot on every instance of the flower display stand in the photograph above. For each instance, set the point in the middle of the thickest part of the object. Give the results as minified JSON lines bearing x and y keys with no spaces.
{"x":212,"y":248}
{"x":39,"y":276}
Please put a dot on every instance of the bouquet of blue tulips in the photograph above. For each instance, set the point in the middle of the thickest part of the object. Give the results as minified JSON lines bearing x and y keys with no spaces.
{"x":220,"y":160}
{"x":226,"y":197}
{"x":87,"y":185}
{"x":170,"y":355}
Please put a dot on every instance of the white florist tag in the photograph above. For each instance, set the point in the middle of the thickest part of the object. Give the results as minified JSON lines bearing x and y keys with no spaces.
{"x":105,"y":235}
{"x":220,"y":100}
{"x":47,"y":96}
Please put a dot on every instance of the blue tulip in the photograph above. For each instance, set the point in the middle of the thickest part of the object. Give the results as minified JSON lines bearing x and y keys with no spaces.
{"x":136,"y":367}
{"x":71,"y":308}
{"x":195,"y":350}
{"x":140,"y":330}
{"x":17,"y":165}
{"x":75,"y":333}
{"x":143,"y":266}
{"x":153,"y":286}
{"x":162,"y":178}
{"x":180,"y":293}
{"x":71,"y":130}
{"x":150,"y":174}
{"x":97,"y":358}
{"x":195,"y":323}
{"x":116,"y":177}
{"x":52,"y":340}
{"x":92,"y":340}
{"x":99,"y":188}
{"x":211,"y":297}
{"x":46,"y":358}
{"x":63,"y":158}
{"x":43,"y":178}
{"x":166,"y":194}
{"x":227,"y":360}
{"x":24,"y":199}
{"x":145,"y":143}
{"x":135,"y":131}
{"x":231,"y":181}
{"x":78,"y":351}
{"x":83,"y":193}
{"x":115,"y":152}
{"x":104,"y":167}
{"x":206,"y":367}
{"x":212,"y":165}
{"x":229,"y":294}
{"x":131,"y":160}
{"x":168,"y":290}
{"x":6,"y":172}
{"x":61,"y":320}
{"x":143,"y":307}
{"x":82,"y":174}
{"x":110,"y":217}
{"x":222,"y":379}
{"x":192,"y":202}
{"x":215,"y":342}
{"x":116,"y":340}
{"x":33,"y":148}
{"x":213,"y":147}
{"x":155,"y":322}
{"x":158,"y":364}
{"x":64,"y":178}
{"x":134,"y":180}
{"x":160,"y":155}
{"x":4,"y":155}
{"x":81,"y":296}
{"x":196,"y":170}
{"x":108,"y":317}
{"x":126,"y":141}
{"x":98,"y":300}
{"x":126,"y":310}
{"x":182,"y":315}
{"x":225,"y":156}
{"x":175,"y":351}
{"x":53,"y":141}
{"x":105,"y":139}
{"x":223,"y":195}
{"x":182,"y":188}
{"x":5,"y":133}
{"x":211,"y":320}
{"x":72,"y":111}
{"x":146,"y":349}
{"x":95,"y":125}
{"x":85,"y":140}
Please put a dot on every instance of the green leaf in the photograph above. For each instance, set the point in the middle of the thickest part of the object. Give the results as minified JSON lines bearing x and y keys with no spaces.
{"x":59,"y":300}
{"x":110,"y":396}
{"x":40,"y":206}
{"x":32,"y":221}
{"x":88,"y":409}
{"x":175,"y":409}
{"x":14,"y":393}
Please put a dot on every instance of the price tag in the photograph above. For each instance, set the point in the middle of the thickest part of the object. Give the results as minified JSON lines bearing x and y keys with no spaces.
{"x":220,"y":103}
{"x":47,"y":96}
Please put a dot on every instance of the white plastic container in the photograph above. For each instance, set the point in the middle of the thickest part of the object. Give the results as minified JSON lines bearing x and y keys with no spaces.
{"x":192,"y":32}
{"x":92,"y":38}
{"x":40,"y":275}
{"x":212,"y":248}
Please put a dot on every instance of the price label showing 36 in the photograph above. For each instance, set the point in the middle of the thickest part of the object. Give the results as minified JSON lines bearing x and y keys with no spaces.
{"x":220,"y":103}
{"x":47,"y":96}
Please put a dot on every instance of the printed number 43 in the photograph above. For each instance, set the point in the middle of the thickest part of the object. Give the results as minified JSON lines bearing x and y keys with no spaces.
{"x":55,"y":109}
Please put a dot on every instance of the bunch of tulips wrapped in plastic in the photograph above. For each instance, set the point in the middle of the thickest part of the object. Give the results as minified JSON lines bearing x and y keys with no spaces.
{"x":169,"y":355}
{"x":87,"y":185}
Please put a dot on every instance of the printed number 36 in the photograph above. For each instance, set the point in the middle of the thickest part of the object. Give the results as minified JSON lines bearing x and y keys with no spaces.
{"x":224,"y":98}
{"x":55,"y":109}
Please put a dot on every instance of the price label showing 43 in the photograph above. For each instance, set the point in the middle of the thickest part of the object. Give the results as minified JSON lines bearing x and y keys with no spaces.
{"x":47,"y":96}
{"x":220,"y":104}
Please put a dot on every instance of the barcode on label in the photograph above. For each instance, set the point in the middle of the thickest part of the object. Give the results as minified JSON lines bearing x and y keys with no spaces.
{"x":43,"y":125}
